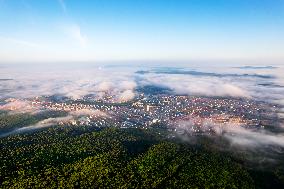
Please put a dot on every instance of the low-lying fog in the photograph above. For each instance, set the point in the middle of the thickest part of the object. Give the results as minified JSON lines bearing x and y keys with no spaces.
{"x":260,"y":83}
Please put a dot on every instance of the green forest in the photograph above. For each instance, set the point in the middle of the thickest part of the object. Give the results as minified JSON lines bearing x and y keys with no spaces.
{"x":88,"y":157}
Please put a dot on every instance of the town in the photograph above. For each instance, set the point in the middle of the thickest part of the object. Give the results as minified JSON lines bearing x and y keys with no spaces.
{"x":179,"y":113}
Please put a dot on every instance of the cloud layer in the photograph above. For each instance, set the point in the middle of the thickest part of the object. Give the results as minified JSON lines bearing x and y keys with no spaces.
{"x":76,"y":82}
{"x":122,"y":83}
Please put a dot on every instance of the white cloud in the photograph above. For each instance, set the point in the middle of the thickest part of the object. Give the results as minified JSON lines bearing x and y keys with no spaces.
{"x":235,"y":133}
{"x":104,"y":86}
{"x":42,"y":124}
{"x":89,"y":112}
{"x":20,"y":42}
{"x":247,"y":137}
{"x":125,"y":85}
{"x":126,"y":96}
{"x":209,"y":86}
{"x":19,"y":106}
{"x":63,"y":5}
{"x":74,"y":31}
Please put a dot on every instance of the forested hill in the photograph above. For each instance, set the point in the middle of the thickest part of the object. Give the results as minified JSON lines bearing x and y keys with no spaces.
{"x":73,"y":157}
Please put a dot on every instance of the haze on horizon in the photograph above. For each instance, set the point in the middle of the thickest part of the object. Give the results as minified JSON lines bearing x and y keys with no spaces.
{"x":69,"y":30}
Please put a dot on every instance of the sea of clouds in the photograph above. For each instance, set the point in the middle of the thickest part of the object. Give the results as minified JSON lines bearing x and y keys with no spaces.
{"x":262,"y":83}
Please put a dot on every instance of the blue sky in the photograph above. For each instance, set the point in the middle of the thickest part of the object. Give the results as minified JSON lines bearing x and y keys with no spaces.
{"x":107,"y":30}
